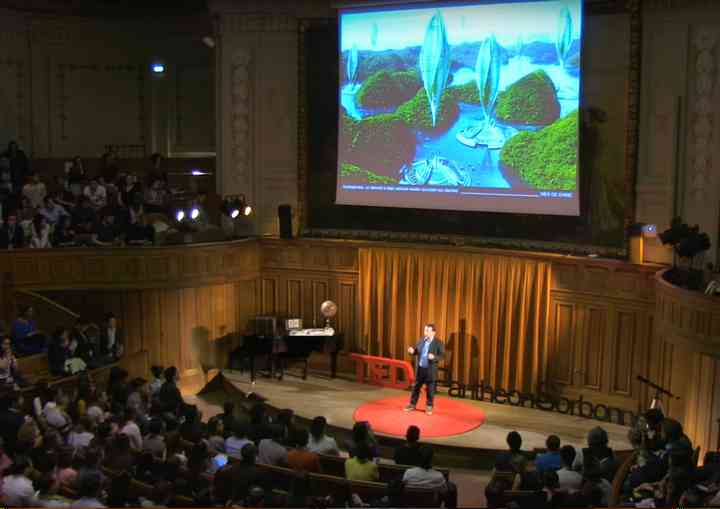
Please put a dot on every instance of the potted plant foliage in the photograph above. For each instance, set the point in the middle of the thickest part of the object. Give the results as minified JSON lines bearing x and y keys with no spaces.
{"x":687,"y":242}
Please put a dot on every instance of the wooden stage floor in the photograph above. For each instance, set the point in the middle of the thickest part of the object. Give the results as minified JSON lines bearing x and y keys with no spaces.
{"x":337,"y":399}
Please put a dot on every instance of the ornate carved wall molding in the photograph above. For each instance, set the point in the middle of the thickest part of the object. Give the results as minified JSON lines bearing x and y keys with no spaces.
{"x":702,"y":113}
{"x":12,"y":73}
{"x":243,"y":23}
{"x":241,"y":86}
{"x":63,"y":71}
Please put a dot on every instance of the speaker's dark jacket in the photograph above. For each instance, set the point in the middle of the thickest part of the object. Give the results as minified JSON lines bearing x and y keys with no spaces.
{"x":436,"y":348}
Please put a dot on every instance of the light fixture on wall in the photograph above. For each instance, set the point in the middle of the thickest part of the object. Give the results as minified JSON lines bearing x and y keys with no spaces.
{"x":209,"y":41}
{"x":157,"y":69}
{"x":189,"y":214}
{"x":235,"y":206}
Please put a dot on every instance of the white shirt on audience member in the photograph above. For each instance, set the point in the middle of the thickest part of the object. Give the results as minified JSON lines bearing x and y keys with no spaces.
{"x":234,"y":446}
{"x":18,"y":491}
{"x":569,"y":480}
{"x":133,"y":432}
{"x":418,"y":477}
{"x":326,"y":445}
{"x":79,"y":440}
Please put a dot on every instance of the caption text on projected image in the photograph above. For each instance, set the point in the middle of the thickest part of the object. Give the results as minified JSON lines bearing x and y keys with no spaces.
{"x":470,"y":107}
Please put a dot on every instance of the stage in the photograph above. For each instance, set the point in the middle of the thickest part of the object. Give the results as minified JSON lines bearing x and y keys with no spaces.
{"x":339,"y":400}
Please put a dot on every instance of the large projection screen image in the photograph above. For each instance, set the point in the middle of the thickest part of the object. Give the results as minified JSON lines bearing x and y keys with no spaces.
{"x":461,"y":107}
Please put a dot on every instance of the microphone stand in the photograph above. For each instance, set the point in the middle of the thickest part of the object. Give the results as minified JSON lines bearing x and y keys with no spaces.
{"x":656,"y":401}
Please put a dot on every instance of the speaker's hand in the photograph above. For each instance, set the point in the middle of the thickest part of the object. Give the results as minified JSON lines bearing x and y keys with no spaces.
{"x":431,"y":356}
{"x":411,"y":351}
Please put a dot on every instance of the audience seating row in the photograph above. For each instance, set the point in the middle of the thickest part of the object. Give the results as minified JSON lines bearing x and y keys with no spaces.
{"x":389,"y":472}
{"x":342,"y":489}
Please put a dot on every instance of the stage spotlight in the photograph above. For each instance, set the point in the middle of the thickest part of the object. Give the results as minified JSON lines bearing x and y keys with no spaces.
{"x":194,"y":213}
{"x":180,"y":215}
{"x":235,"y":206}
{"x":157,"y":68}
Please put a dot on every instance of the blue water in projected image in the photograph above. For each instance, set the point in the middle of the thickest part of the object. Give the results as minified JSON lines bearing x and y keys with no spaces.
{"x":436,"y":96}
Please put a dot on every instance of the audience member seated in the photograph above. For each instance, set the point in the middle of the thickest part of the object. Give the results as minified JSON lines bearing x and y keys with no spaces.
{"x":169,"y":395}
{"x":52,"y":211}
{"x":646,"y":468}
{"x":361,"y":467}
{"x":137,"y":231}
{"x":18,"y":162}
{"x":362,"y":434}
{"x":409,"y":452}
{"x":35,"y":191}
{"x":299,"y":458}
{"x":107,"y":233}
{"x":83,"y":344}
{"x":569,"y":480}
{"x":597,"y":458}
{"x":154,"y":441}
{"x":551,"y":459}
{"x":156,"y":197}
{"x":59,"y":353}
{"x":674,"y":438}
{"x":26,"y":337}
{"x":271,"y":451}
{"x":111,"y":338}
{"x":423,"y":475}
{"x":192,"y":428}
{"x":12,"y":235}
{"x":64,"y":234}
{"x":17,"y":488}
{"x":505,"y":459}
{"x":319,"y":441}
{"x":286,"y":419}
{"x":237,"y":440}
{"x":10,"y":420}
{"x":554,"y":495}
{"x":40,"y":233}
{"x":96,"y":194}
{"x":89,"y":489}
{"x":526,"y":478}
{"x":9,"y":375}
{"x":84,"y":218}
{"x":233,"y":481}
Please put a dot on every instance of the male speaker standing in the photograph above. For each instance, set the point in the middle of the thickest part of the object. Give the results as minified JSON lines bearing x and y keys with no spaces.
{"x":428,"y":351}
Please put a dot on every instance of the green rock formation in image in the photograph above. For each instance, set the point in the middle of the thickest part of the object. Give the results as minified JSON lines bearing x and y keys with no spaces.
{"x":381,"y":144}
{"x":354,"y":172}
{"x":416,"y":112}
{"x":546,"y":159}
{"x":388,"y":89}
{"x":531,"y":100}
{"x":467,"y":93}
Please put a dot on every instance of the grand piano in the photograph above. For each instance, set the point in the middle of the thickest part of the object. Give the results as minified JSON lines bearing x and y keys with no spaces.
{"x":280,"y":347}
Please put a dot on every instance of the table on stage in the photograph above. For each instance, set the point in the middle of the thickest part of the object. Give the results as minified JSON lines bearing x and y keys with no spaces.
{"x":295,"y":346}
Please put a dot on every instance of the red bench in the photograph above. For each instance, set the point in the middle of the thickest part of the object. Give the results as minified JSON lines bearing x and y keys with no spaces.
{"x":383,"y":371}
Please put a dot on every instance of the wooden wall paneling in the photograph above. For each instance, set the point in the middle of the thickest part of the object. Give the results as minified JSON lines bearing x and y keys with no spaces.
{"x":320,"y":293}
{"x":188,"y":323}
{"x":152,"y":331}
{"x":563,"y":344}
{"x":294,"y":303}
{"x":247,"y":302}
{"x":203,"y":327}
{"x":346,"y":320}
{"x":593,"y":345}
{"x":268,"y":296}
{"x":624,"y":346}
{"x":170,"y":327}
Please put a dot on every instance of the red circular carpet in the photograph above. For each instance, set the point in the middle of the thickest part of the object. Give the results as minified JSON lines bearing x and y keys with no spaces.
{"x":450,"y":417}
